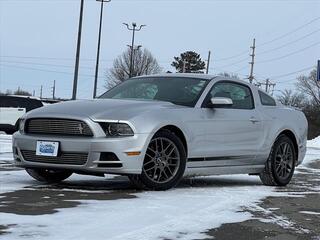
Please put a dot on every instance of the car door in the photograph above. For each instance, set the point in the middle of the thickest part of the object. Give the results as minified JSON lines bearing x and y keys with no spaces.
{"x":233,"y":132}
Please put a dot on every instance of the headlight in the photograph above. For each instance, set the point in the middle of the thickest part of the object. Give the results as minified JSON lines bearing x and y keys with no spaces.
{"x":117,"y":129}
{"x":21,"y":125}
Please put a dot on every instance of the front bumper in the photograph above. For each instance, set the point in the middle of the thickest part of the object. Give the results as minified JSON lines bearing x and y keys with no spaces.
{"x":93,"y":146}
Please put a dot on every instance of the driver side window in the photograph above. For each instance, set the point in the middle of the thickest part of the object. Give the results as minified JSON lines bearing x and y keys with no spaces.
{"x":240,"y":94}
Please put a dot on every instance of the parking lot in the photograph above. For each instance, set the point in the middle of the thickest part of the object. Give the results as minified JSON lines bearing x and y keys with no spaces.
{"x":218,"y":207}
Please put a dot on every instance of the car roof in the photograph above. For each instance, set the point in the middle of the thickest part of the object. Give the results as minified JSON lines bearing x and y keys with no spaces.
{"x":185,"y":75}
{"x":207,"y":77}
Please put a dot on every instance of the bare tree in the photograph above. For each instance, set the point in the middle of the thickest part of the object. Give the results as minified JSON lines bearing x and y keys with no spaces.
{"x":19,"y":91}
{"x":310,"y":86}
{"x":143,"y":64}
{"x":293,"y":99}
{"x":22,"y":92}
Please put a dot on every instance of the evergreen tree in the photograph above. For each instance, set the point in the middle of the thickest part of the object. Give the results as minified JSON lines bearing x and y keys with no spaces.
{"x":189,"y":62}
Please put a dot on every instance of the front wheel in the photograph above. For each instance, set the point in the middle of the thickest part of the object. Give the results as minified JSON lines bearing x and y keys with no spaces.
{"x":48,"y":175}
{"x":164,"y":163}
{"x":280,"y":166}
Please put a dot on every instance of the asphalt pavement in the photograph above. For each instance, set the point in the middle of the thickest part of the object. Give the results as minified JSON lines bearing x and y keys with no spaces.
{"x":295,"y":215}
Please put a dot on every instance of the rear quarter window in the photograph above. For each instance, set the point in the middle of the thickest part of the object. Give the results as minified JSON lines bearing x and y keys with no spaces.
{"x":266,"y":100}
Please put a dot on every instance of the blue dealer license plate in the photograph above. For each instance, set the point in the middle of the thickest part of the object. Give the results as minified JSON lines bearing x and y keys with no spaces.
{"x":49,"y":149}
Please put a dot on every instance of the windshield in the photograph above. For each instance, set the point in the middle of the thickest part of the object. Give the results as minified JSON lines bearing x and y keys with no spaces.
{"x":177,"y":90}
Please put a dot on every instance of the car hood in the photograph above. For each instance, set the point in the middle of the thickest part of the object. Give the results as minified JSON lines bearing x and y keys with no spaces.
{"x":101,"y":109}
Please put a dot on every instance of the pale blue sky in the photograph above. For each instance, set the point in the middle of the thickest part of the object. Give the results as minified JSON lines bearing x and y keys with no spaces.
{"x":38,"y":38}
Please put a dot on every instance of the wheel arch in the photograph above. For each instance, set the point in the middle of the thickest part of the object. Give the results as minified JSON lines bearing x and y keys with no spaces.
{"x":178,"y":132}
{"x":290,"y":134}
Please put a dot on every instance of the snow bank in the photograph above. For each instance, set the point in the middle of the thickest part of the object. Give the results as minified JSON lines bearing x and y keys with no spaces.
{"x":5,"y":148}
{"x":314,"y":143}
{"x":5,"y":143}
{"x":313,"y":154}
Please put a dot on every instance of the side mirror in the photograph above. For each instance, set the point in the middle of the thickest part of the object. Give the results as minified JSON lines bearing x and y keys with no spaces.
{"x":220,"y":102}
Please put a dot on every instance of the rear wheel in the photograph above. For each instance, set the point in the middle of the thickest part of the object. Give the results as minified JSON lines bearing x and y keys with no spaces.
{"x":48,"y":175}
{"x":280,"y":166}
{"x":164,"y":163}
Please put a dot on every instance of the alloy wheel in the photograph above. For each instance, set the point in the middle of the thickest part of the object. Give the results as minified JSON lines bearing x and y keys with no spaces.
{"x":284,"y":160}
{"x":162,"y":160}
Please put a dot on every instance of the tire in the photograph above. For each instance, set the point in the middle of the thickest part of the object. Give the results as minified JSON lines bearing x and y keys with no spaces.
{"x":136,"y":182}
{"x":164,"y":163}
{"x":47,"y":175}
{"x":281,"y":163}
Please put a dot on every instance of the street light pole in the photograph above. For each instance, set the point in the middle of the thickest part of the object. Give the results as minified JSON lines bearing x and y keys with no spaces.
{"x":134,"y":29}
{"x":133,"y":53}
{"x":76,"y":69}
{"x":98,"y":49}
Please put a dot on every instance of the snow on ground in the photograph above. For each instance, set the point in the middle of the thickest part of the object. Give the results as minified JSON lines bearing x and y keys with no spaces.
{"x":313,"y":150}
{"x":182,"y":213}
{"x":314,"y":143}
{"x":5,"y":148}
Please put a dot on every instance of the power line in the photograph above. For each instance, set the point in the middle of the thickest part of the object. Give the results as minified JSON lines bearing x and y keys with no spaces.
{"x":292,"y":73}
{"x":290,"y":32}
{"x":44,"y":70}
{"x":287,"y":81}
{"x":289,"y":54}
{"x":43,"y":64}
{"x":289,"y":43}
{"x":282,"y":46}
{"x":231,"y":57}
{"x":235,"y":63}
{"x":240,"y":69}
{"x":55,"y":58}
{"x":273,"y":40}
{"x":164,"y":0}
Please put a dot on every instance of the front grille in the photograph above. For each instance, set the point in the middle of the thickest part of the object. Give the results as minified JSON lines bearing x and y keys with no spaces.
{"x":67,"y":158}
{"x":58,"y":127}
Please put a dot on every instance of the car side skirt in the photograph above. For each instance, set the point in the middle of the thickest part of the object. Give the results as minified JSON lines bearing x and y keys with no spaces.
{"x":225,"y":165}
{"x":222,"y":170}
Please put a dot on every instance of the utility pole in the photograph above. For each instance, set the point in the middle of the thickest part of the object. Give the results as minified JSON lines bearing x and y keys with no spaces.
{"x":54,"y":89}
{"x":98,"y":49}
{"x":184,"y":66}
{"x":253,"y":47}
{"x":208,"y":62}
{"x":134,"y":29}
{"x":41,"y":92}
{"x":268,"y":84}
{"x":76,"y":69}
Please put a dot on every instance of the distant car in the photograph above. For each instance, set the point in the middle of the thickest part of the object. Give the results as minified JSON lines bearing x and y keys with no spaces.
{"x":14,"y":107}
{"x":157,"y":129}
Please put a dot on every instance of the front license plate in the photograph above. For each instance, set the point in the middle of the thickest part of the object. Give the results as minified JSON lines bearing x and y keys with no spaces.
{"x":49,"y":149}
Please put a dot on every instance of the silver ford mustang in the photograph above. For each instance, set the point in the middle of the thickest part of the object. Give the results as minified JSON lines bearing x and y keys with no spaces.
{"x":158,"y":129}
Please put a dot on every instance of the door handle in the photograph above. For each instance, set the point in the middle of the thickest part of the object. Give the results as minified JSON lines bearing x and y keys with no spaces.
{"x":254,"y":120}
